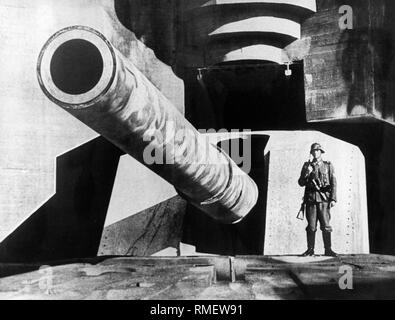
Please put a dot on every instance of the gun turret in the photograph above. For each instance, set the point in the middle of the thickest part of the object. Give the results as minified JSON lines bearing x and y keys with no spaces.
{"x":79,"y":70}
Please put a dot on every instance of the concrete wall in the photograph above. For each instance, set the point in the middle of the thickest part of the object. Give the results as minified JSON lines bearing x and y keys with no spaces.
{"x":349,"y":73}
{"x":145,"y":213}
{"x":155,"y":23}
{"x":35,"y":133}
{"x":223,"y":31}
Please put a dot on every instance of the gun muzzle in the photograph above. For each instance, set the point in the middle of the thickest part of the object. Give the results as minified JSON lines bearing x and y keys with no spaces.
{"x":79,"y":70}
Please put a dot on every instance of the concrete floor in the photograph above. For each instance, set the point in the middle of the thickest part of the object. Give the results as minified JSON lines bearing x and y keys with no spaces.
{"x":203,"y":278}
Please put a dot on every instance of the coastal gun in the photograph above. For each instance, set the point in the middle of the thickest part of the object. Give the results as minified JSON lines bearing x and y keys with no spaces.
{"x":79,"y":70}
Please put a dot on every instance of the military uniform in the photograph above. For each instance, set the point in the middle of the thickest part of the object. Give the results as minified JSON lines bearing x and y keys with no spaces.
{"x":320,"y":191}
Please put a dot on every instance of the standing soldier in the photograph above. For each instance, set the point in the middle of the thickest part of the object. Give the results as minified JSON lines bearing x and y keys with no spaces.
{"x":318,"y":178}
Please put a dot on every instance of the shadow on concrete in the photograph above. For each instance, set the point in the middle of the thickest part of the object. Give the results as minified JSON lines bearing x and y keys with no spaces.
{"x":368,"y":53}
{"x":70,"y":224}
{"x":147,"y":232}
{"x":153,"y":23}
{"x":244,"y":238}
{"x":363,"y":289}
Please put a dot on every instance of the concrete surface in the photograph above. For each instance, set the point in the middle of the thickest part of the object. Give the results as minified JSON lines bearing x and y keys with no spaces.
{"x":349,"y":72}
{"x":135,"y":189}
{"x":147,"y":232}
{"x":259,"y":30}
{"x":246,"y":278}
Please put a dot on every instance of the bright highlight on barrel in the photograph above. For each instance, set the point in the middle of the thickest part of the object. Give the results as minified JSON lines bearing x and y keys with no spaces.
{"x":79,"y":70}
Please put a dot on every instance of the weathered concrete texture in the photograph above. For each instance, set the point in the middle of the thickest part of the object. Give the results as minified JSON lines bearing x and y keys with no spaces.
{"x":339,"y":76}
{"x":76,"y":282}
{"x":144,"y":216}
{"x":32,"y":128}
{"x":287,"y":153}
{"x":257,"y":278}
{"x":239,"y":30}
{"x":348,"y":72}
{"x":147,"y":232}
{"x":155,"y":23}
{"x":136,"y":188}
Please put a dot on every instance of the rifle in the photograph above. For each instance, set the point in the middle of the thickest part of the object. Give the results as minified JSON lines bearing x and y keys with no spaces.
{"x":301,"y":212}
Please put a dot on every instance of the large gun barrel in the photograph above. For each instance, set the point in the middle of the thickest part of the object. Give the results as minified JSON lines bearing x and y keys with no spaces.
{"x":79,"y":70}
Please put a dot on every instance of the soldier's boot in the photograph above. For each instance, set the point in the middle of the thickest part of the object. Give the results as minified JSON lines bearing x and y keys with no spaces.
{"x":310,"y":244}
{"x":326,"y":236}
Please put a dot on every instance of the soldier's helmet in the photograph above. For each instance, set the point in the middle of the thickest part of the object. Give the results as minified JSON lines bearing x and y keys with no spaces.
{"x":316,"y":146}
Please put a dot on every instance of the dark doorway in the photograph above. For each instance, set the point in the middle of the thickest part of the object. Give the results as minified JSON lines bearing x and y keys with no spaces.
{"x":253,"y":95}
{"x":246,"y":237}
